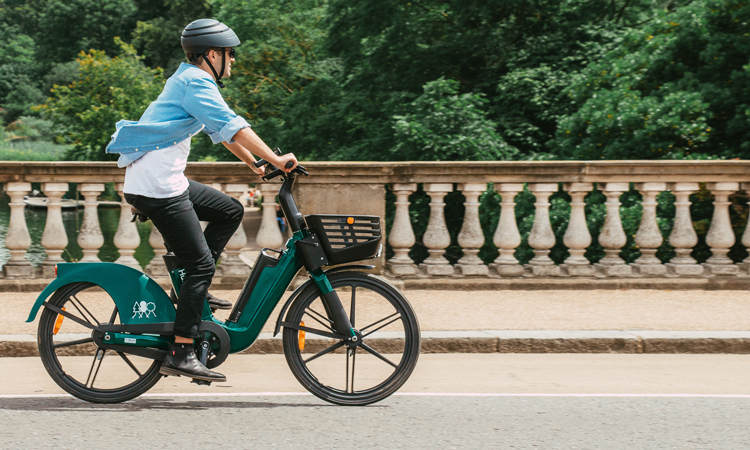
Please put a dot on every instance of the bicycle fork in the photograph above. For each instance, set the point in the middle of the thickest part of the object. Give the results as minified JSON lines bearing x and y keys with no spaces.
{"x":332,"y":304}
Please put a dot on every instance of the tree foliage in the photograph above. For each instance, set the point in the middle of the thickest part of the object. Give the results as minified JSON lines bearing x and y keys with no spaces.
{"x":108,"y":90}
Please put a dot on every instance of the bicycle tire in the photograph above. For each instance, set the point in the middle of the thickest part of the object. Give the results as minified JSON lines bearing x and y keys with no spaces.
{"x":59,"y":355}
{"x":376,"y":295}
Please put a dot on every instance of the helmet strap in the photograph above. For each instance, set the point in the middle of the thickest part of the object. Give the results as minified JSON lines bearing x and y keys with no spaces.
{"x":216,"y":76}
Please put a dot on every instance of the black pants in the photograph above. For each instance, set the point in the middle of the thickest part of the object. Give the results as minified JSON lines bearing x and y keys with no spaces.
{"x":178,"y":220}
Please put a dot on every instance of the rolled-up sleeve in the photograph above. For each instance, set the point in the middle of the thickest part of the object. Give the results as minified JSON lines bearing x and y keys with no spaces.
{"x":204,"y":102}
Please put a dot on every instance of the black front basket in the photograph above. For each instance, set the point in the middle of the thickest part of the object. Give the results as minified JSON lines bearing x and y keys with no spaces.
{"x":346,"y":238}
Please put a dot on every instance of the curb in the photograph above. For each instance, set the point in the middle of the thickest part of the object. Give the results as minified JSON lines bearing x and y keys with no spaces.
{"x":454,"y":283}
{"x":499,"y":341}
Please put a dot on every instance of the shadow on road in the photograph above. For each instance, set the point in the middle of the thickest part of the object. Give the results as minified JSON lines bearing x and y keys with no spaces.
{"x":145,"y":404}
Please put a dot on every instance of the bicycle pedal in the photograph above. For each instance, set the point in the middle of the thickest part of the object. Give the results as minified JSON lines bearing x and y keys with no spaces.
{"x":201,"y":382}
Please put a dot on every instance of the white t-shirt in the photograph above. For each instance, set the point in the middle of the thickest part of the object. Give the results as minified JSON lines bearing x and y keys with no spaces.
{"x":159,"y":173}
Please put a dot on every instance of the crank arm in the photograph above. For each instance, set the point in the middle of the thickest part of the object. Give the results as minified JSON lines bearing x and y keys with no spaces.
{"x":314,"y":331}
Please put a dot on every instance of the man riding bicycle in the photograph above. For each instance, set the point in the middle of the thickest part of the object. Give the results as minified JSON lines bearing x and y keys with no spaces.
{"x":155,"y":151}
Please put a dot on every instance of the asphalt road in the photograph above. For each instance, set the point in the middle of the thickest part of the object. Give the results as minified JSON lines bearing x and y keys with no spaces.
{"x":510,"y":401}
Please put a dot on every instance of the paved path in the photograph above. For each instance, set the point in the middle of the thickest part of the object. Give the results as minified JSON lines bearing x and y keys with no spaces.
{"x":627,"y":321}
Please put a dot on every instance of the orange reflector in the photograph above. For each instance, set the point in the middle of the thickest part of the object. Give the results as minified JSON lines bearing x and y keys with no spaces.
{"x":350,"y":220}
{"x":58,"y":323}
{"x":301,"y":338}
{"x":55,"y":270}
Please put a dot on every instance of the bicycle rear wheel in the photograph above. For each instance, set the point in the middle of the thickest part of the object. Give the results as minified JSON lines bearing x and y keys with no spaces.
{"x":343,"y":373}
{"x":76,"y":363}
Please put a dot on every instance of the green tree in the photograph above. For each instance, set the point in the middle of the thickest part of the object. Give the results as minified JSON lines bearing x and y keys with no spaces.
{"x":68,"y":27}
{"x":442,"y":124}
{"x":673,"y":88}
{"x":108,"y":90}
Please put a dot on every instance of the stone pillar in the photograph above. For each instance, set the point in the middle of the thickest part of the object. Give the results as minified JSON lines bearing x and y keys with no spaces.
{"x":156,"y":267}
{"x":436,"y":238}
{"x":507,"y":238}
{"x":90,"y":237}
{"x":402,"y":237}
{"x":577,"y":237}
{"x":649,"y":237}
{"x":471,"y":237}
{"x":542,"y":238}
{"x":683,"y":236}
{"x":269,"y":233}
{"x":745,"y":264}
{"x":127,"y":238}
{"x":612,"y":237}
{"x":54,"y":238}
{"x":720,"y":235}
{"x":232,"y":267}
{"x":17,"y":240}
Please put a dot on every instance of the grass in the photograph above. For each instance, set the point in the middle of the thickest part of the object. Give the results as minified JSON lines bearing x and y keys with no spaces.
{"x":32,"y":151}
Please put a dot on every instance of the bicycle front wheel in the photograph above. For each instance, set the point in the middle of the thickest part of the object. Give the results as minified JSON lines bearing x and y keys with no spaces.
{"x":73,"y":359}
{"x":346,"y":374}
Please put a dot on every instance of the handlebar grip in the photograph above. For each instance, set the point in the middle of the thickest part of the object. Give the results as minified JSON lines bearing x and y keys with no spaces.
{"x":289,"y":164}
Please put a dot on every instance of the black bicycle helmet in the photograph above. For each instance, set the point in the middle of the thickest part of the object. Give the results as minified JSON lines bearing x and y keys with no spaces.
{"x":204,"y":34}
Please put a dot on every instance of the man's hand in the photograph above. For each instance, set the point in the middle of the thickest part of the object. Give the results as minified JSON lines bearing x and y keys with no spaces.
{"x":259,"y":170}
{"x":284,"y":159}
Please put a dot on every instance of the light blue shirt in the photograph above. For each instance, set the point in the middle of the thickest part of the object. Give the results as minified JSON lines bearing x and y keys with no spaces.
{"x":189,"y":103}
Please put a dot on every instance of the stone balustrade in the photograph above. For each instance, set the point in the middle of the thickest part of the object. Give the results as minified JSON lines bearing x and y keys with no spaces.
{"x":360,"y":188}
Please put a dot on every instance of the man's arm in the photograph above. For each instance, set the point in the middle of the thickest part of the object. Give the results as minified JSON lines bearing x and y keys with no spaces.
{"x":250,"y":144}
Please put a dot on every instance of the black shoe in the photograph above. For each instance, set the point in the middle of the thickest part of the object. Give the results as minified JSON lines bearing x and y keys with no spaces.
{"x":213,"y":302}
{"x":181,"y":361}
{"x":217,"y":303}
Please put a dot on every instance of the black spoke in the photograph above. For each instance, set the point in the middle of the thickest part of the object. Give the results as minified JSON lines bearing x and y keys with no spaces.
{"x":381,"y":326}
{"x":352,"y":311}
{"x":84,"y":308}
{"x":113,"y":316}
{"x":321,"y":316}
{"x":350,"y":353}
{"x":122,"y":355}
{"x":78,"y":342}
{"x":98,"y":356}
{"x":325,"y":352}
{"x":378,"y":355}
{"x":316,"y":319}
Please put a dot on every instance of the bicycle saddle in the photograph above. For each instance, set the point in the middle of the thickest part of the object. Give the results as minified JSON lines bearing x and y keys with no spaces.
{"x":137,"y":214}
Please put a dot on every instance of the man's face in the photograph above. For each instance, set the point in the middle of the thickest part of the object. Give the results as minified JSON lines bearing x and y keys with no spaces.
{"x":228,"y":60}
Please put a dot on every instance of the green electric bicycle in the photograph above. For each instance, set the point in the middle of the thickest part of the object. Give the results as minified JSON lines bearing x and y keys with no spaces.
{"x":349,"y":337}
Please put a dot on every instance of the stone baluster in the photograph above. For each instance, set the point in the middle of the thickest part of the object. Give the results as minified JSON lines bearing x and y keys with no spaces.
{"x":269,"y":233}
{"x":17,"y":240}
{"x":577,"y":237}
{"x":232,"y":266}
{"x":683,"y":236}
{"x":612,"y":237}
{"x":745,"y":264}
{"x":90,"y":237}
{"x":471,"y":237}
{"x":507,"y":238}
{"x":649,"y":237}
{"x":157,"y":267}
{"x":401,"y":236}
{"x":542,"y":238}
{"x":54,"y":238}
{"x":127,"y":238}
{"x":436,"y":238}
{"x":720,"y":235}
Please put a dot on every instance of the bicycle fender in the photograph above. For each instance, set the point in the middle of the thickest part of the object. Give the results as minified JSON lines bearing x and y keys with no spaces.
{"x":299,"y":290}
{"x":138,"y":297}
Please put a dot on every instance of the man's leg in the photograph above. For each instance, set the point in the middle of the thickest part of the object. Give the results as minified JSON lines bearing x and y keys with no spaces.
{"x":181,"y":230}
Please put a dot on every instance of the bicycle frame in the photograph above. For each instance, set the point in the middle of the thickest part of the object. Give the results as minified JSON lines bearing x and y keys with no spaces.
{"x":262,"y":292}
